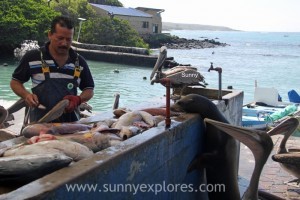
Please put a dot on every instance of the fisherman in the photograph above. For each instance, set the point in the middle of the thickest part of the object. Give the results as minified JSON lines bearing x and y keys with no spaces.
{"x":56,"y":71}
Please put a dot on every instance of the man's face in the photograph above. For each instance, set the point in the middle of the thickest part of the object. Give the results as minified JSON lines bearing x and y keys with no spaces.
{"x":61,"y":39}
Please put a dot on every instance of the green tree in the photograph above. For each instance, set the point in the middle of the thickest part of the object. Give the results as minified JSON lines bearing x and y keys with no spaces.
{"x":113,"y":3}
{"x":29,"y":20}
{"x":107,"y":2}
{"x":109,"y":31}
{"x":99,"y":30}
{"x":23,"y":20}
{"x":74,"y":9}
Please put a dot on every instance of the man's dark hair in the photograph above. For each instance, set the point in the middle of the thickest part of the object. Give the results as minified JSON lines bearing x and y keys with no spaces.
{"x":63,"y":21}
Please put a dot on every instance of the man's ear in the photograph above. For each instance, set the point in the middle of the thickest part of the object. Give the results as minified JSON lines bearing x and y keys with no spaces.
{"x":49,"y":34}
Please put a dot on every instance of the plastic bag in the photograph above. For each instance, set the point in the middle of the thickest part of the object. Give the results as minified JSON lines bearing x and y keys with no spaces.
{"x":280,"y":114}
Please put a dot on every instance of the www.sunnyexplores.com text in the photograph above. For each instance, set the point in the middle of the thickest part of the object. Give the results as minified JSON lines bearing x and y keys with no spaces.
{"x":136,"y":188}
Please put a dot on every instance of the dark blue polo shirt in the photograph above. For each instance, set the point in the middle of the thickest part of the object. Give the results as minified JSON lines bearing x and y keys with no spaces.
{"x":30,"y":66}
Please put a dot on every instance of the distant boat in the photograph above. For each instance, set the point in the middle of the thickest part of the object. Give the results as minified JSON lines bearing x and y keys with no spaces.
{"x":266,"y":111}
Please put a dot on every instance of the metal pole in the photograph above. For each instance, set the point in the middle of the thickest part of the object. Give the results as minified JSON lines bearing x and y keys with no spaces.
{"x":80,"y":24}
{"x":168,"y":115}
{"x":167,"y":83}
{"x":79,"y":30}
{"x":220,"y":85}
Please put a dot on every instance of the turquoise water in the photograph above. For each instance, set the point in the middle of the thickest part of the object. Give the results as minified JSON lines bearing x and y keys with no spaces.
{"x":128,"y":82}
{"x":272,"y":59}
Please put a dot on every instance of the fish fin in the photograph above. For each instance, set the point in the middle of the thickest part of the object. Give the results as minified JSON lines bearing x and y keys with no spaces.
{"x":18,"y":105}
{"x":55,"y":112}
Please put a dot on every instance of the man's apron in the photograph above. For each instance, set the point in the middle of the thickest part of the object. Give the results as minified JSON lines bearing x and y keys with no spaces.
{"x":53,"y":90}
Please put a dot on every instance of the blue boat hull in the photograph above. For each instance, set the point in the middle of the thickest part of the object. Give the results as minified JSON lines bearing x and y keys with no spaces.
{"x":151,"y":165}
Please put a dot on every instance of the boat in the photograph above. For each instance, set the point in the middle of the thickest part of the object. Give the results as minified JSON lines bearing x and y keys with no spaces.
{"x":158,"y":157}
{"x":266,"y":111}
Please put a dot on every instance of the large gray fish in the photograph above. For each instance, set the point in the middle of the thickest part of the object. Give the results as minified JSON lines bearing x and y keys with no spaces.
{"x":93,"y":140}
{"x":71,"y":149}
{"x":127,"y":121}
{"x":18,"y":105}
{"x":53,"y":128}
{"x":104,"y":126}
{"x":26,"y":168}
{"x":131,"y":117}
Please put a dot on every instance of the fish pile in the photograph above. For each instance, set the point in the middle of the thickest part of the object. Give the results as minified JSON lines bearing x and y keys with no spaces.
{"x":48,"y":147}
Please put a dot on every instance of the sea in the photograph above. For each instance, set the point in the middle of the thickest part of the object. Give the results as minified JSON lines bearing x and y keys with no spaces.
{"x":271,"y":59}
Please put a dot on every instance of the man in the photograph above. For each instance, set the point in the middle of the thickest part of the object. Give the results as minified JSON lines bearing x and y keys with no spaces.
{"x":56,"y":71}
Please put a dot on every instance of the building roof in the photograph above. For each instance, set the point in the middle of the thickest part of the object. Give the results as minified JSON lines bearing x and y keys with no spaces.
{"x":154,"y":9}
{"x":122,"y":11}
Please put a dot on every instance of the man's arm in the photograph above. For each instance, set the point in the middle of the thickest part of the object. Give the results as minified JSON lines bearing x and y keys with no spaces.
{"x":86,"y":95}
{"x":19,"y":89}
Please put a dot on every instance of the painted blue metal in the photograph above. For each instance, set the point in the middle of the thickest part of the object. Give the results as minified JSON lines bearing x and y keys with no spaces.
{"x":156,"y":158}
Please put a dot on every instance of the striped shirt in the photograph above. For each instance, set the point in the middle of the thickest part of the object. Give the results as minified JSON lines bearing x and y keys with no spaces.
{"x":30,"y":66}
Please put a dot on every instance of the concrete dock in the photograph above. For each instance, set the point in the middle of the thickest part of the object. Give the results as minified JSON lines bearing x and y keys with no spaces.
{"x":273,"y":178}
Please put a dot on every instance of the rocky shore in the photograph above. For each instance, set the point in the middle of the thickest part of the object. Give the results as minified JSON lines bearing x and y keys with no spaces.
{"x":183,"y":43}
{"x":174,"y":42}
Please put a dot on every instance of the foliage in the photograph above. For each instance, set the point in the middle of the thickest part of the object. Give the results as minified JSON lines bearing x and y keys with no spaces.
{"x":23,"y":20}
{"x":114,"y":3}
{"x":155,"y":40}
{"x":74,"y":9}
{"x":30,"y":20}
{"x":107,"y":31}
{"x":107,"y":2}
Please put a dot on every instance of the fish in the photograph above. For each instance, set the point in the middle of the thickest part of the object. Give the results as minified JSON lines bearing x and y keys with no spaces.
{"x":3,"y":114}
{"x":40,"y":138}
{"x":129,"y":118}
{"x":85,"y":106}
{"x":71,"y":149}
{"x":95,"y":141}
{"x":104,"y":126}
{"x":159,"y":111}
{"x":152,"y":111}
{"x":53,"y":128}
{"x":67,"y":128}
{"x":128,"y":131}
{"x":120,"y":111}
{"x":55,"y":112}
{"x":35,"y":129}
{"x":6,"y":135}
{"x":26,"y":168}
{"x":158,"y":119}
{"x":126,"y":123}
{"x":18,"y":105}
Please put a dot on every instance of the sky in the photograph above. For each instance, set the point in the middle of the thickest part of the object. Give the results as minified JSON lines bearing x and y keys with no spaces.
{"x":246,"y":15}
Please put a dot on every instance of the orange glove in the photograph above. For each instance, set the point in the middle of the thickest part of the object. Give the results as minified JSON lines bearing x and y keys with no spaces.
{"x":74,"y":102}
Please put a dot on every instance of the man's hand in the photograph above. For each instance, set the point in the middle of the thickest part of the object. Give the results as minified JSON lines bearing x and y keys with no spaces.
{"x":74,"y":102}
{"x":32,"y":100}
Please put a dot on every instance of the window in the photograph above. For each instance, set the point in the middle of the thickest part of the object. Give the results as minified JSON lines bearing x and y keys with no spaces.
{"x":145,"y":25}
{"x":155,"y":28}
